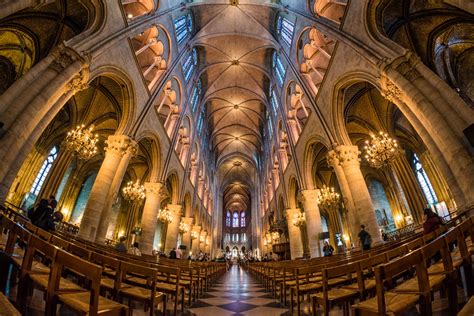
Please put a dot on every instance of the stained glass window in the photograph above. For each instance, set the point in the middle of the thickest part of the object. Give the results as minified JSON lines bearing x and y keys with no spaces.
{"x":242,"y":219}
{"x":285,"y":29}
{"x":43,"y":173}
{"x":278,"y":69}
{"x":227,"y":219}
{"x":183,"y":27}
{"x":195,"y":96}
{"x":235,"y":219}
{"x":424,"y":181}
{"x":189,"y":64}
{"x":274,"y":101}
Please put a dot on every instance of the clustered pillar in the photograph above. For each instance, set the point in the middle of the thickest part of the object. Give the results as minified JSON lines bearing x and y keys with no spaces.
{"x":313,"y":221}
{"x":149,"y":217}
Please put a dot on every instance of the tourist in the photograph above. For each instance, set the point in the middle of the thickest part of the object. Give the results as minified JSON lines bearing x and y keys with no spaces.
{"x":365,"y":238}
{"x":179,"y":253}
{"x":432,"y":221}
{"x":328,"y":250}
{"x":37,"y":211}
{"x":134,"y":250}
{"x":120,"y":246}
{"x":173,"y":254}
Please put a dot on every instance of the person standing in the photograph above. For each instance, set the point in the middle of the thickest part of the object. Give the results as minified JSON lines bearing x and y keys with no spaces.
{"x":173,"y":253}
{"x":179,"y":253}
{"x":365,"y":238}
{"x":328,"y":250}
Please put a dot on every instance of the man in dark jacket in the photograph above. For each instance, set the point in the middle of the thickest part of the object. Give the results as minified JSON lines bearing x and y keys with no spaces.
{"x":365,"y":238}
{"x":173,"y":254}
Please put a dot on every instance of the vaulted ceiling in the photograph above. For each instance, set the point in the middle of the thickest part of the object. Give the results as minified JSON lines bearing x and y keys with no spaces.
{"x":235,"y":46}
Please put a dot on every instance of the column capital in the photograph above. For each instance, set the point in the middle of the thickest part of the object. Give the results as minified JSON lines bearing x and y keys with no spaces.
{"x":291,"y":212}
{"x":390,"y":91}
{"x":175,"y":209}
{"x":344,"y":155}
{"x":197,"y":228}
{"x":121,"y":144}
{"x":153,"y":188}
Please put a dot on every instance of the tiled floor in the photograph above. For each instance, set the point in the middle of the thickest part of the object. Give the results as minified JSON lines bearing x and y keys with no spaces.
{"x":237,"y":293}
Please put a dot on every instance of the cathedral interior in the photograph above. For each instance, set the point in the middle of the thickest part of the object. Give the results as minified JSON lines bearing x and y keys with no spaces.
{"x":248,"y":136}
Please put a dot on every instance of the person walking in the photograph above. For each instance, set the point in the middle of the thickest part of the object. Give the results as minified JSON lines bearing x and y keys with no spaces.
{"x":365,"y":238}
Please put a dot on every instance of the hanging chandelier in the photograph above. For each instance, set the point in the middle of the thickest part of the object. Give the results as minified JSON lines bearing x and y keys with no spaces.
{"x":165,"y":216}
{"x":183,"y":228}
{"x":275,"y":236}
{"x":82,"y":142}
{"x":134,"y":191}
{"x":194,"y":234}
{"x":380,"y":150}
{"x":327,"y":197}
{"x":299,"y":220}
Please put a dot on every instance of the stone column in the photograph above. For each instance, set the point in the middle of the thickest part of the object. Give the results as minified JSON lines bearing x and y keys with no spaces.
{"x":347,"y":157}
{"x":27,"y":115}
{"x":116,"y":147}
{"x":149,"y":216}
{"x":294,"y":234}
{"x":187,"y":237}
{"x":195,"y":242}
{"x":130,"y":150}
{"x":313,"y":221}
{"x":202,"y":241}
{"x":173,"y":227}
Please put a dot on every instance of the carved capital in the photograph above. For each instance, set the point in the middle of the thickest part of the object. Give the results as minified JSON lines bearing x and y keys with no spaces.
{"x":121,"y":144}
{"x":391,"y":92}
{"x":78,"y":83}
{"x":153,"y":188}
{"x":63,"y":58}
{"x":343,"y":155}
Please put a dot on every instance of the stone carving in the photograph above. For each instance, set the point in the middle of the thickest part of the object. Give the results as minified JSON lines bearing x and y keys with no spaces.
{"x":153,"y":188}
{"x":121,"y":144}
{"x":78,"y":83}
{"x":63,"y":59}
{"x":343,"y":155}
{"x":391,"y":92}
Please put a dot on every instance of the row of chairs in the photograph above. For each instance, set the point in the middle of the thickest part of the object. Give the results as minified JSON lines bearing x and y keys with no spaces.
{"x":387,"y":279}
{"x":68,"y":272}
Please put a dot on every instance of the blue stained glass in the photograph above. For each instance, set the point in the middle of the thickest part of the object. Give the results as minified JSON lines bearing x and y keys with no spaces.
{"x":43,"y":173}
{"x":195,"y":96}
{"x":189,"y":65}
{"x":424,"y":181}
{"x":285,"y":29}
{"x":279,"y":69}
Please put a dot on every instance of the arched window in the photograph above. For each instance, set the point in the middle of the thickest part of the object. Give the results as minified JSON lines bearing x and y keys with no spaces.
{"x":195,"y":96}
{"x":278,"y":69}
{"x":189,"y":64}
{"x":269,"y":124}
{"x":227,"y":219}
{"x":183,"y":26}
{"x":274,"y":101}
{"x":200,"y":122}
{"x":242,"y":219}
{"x":285,"y":29}
{"x":424,"y":181}
{"x":244,"y":237}
{"x":43,"y":173}
{"x":235,"y":220}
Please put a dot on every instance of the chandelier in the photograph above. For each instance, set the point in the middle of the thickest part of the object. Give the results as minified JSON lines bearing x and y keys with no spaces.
{"x":183,"y":228}
{"x":82,"y":141}
{"x":134,"y":191}
{"x":299,"y":220}
{"x":194,"y":234}
{"x":165,"y":216}
{"x":327,"y":197}
{"x":275,"y":236}
{"x":380,"y":150}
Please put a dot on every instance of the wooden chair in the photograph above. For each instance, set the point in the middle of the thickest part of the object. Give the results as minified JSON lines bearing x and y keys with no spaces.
{"x":146,"y":293}
{"x":59,"y":242}
{"x":168,"y":281}
{"x":110,"y":272}
{"x":460,"y":255}
{"x":87,"y":301}
{"x":333,"y":295}
{"x":393,"y":303}
{"x":308,"y":281}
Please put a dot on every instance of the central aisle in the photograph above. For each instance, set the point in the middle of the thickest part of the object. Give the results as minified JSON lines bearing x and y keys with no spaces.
{"x":237,"y":293}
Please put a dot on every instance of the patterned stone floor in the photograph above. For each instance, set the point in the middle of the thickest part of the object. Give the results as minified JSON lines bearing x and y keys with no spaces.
{"x":237,"y":293}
